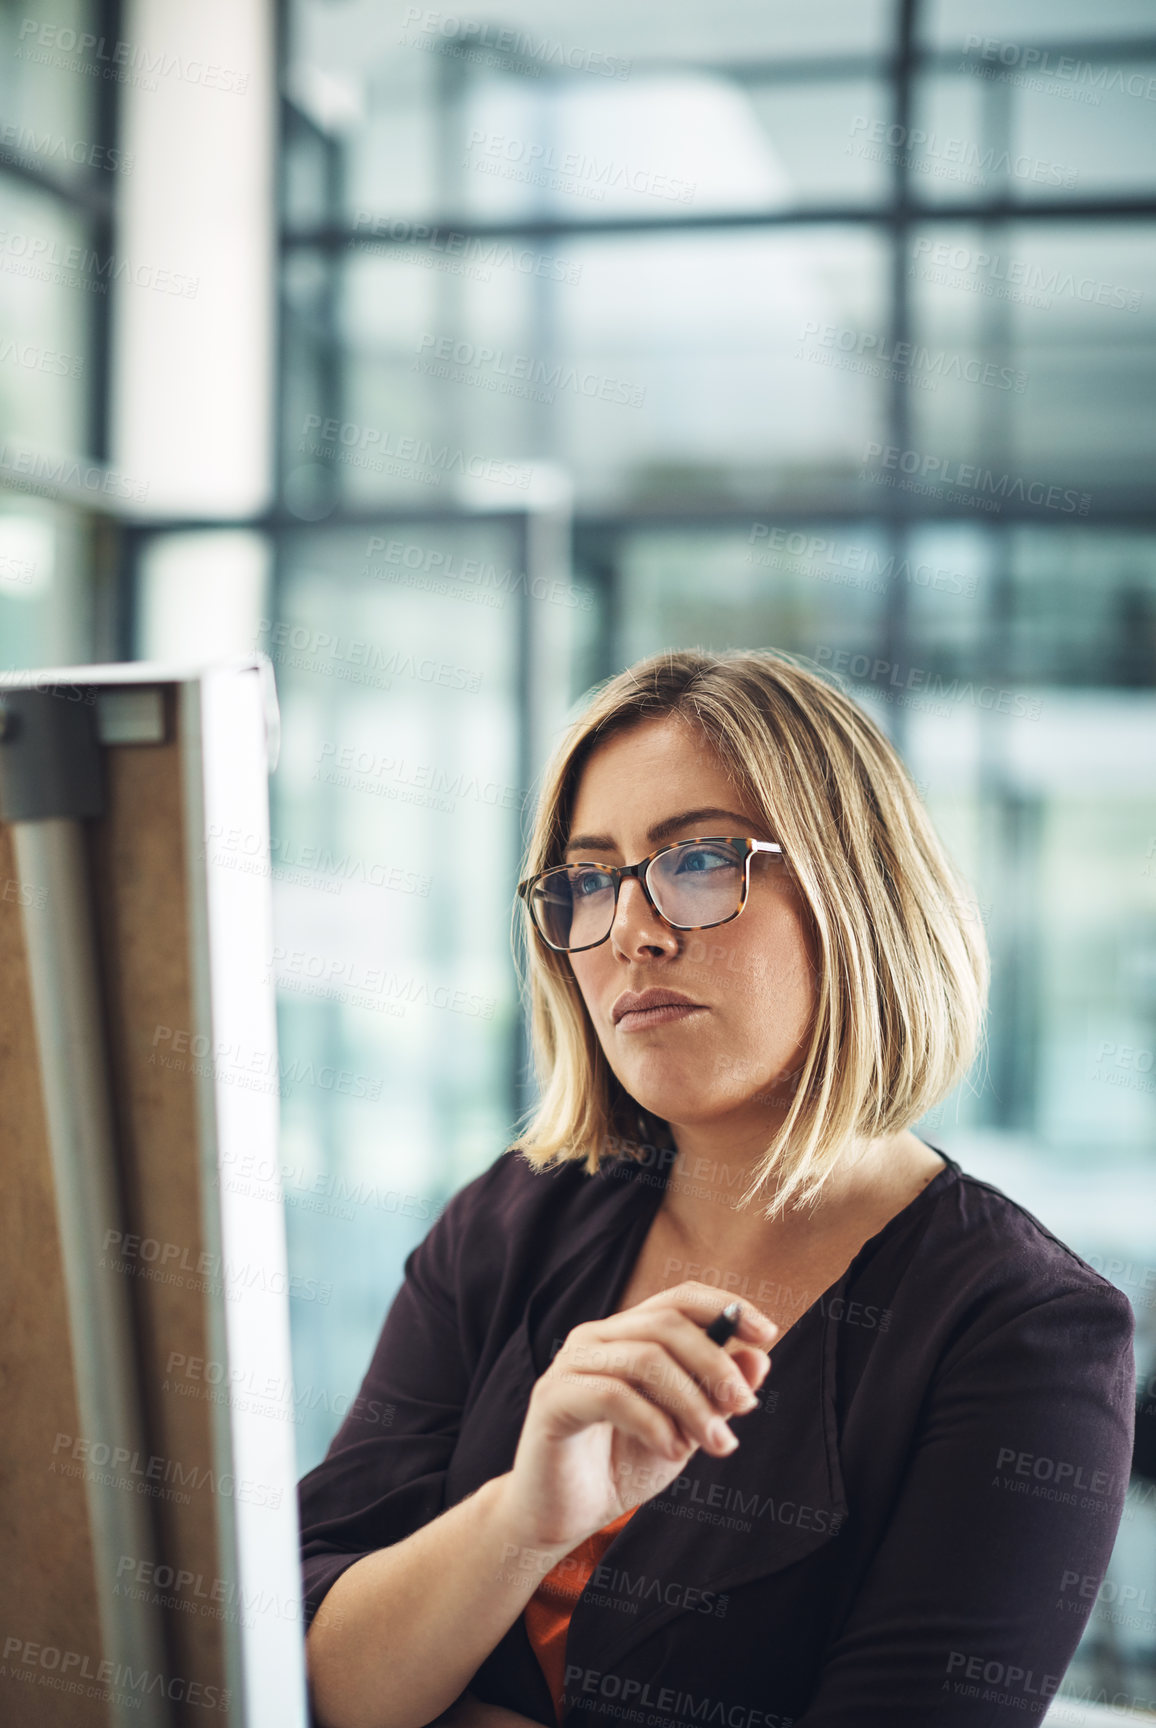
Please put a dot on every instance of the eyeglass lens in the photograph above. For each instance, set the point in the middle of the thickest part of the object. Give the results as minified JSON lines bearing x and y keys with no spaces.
{"x":692,"y":885}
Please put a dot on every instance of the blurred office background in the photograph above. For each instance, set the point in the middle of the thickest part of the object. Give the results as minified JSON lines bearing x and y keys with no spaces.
{"x":455,"y":361}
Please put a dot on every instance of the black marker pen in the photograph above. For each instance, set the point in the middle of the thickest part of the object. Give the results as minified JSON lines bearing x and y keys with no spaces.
{"x":724,"y":1325}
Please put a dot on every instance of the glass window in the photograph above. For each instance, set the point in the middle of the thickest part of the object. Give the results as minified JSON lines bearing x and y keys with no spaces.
{"x":809,"y":587}
{"x":46,"y":607}
{"x":672,"y":366}
{"x":1034,"y":349}
{"x":51,"y":74}
{"x":1079,"y":126}
{"x":394,"y":836}
{"x":49,"y":280}
{"x":820,"y":131}
{"x":947,"y":23}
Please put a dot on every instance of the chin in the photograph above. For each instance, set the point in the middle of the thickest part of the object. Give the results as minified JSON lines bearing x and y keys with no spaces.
{"x":676,"y":1103}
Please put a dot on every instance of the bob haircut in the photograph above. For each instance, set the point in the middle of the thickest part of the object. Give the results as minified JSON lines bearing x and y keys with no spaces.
{"x":902,"y":972}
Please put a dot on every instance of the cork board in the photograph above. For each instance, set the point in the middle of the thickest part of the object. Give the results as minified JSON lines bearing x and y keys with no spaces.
{"x":48,"y":1597}
{"x":48,"y":1588}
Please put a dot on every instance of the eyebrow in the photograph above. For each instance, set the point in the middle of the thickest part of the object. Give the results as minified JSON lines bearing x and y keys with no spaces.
{"x":661,"y":830}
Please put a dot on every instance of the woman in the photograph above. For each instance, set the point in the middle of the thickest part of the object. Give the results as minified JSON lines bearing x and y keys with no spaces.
{"x":752,"y":968}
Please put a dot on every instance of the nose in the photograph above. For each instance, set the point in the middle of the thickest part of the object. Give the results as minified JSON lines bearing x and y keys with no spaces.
{"x":637,"y":929}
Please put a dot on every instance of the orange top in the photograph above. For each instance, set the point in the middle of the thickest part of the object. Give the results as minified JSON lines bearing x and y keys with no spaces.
{"x":547,"y":1613}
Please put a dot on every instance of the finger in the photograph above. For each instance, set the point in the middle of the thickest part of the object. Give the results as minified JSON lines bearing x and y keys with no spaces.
{"x":575,"y":1400}
{"x":702,"y":1304}
{"x":712,"y":1365}
{"x":655,"y":1370}
{"x":754,"y":1365}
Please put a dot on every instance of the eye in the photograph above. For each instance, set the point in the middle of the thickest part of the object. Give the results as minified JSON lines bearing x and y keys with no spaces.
{"x":586,"y":881}
{"x":703,"y":859}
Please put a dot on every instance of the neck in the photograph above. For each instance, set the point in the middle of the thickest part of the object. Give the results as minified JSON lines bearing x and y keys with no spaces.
{"x":707,"y":1181}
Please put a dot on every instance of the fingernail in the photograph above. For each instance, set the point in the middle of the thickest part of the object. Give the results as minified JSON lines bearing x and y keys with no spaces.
{"x":721,"y":1435}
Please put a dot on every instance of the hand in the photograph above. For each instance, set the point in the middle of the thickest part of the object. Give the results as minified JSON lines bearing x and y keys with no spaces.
{"x":624,"y":1405}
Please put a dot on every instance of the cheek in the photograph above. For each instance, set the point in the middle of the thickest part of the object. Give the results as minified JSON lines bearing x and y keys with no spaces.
{"x":587,"y":971}
{"x":768,"y":991}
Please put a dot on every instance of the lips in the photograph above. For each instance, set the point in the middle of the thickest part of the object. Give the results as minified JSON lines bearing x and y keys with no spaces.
{"x":631,"y":1003}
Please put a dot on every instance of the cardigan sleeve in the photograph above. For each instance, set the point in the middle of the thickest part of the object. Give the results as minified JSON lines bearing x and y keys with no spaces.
{"x":1002,"y":1530}
{"x":383,"y":1476}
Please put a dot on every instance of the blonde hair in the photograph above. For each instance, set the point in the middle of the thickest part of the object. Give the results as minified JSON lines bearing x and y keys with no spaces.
{"x":902,"y":962}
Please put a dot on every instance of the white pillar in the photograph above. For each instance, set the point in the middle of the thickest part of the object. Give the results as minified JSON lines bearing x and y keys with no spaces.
{"x":192,"y":324}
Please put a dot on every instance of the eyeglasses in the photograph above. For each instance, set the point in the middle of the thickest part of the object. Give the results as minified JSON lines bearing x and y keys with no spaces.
{"x":693,"y":885}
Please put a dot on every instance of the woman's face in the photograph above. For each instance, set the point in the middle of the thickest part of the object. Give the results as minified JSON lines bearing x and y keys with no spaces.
{"x":751,"y":981}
